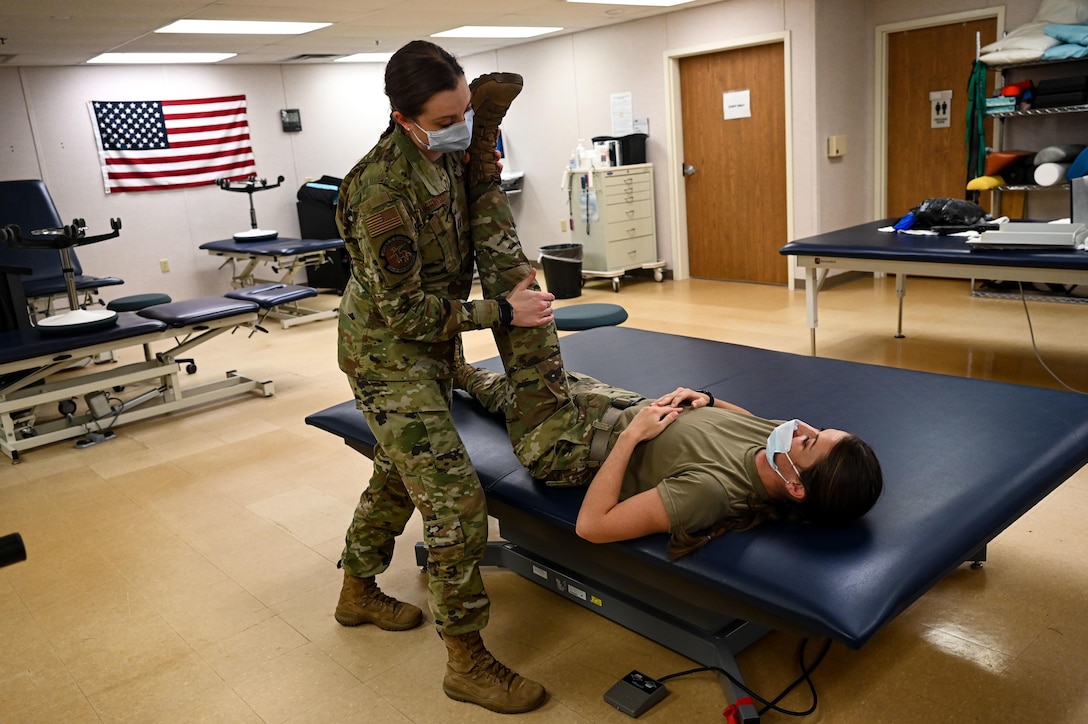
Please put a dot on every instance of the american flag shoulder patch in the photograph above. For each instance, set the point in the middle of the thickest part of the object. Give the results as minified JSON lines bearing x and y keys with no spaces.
{"x":382,"y":222}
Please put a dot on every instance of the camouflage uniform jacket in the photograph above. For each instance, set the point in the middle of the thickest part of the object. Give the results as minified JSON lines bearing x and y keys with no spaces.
{"x":405,"y":223}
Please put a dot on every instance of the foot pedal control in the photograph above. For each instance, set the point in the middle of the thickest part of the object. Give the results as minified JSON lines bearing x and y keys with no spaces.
{"x":635,"y":693}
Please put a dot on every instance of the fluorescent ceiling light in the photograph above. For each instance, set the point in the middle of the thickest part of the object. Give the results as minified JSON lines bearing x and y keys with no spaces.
{"x":365,"y":58}
{"x":240,"y":27}
{"x":650,"y":3}
{"x":155,"y":58}
{"x":494,"y":31}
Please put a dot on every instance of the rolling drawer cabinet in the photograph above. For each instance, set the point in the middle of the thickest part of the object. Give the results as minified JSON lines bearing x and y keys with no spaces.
{"x":614,"y":221}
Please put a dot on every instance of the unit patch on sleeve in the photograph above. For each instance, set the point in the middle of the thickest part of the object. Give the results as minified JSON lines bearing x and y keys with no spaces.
{"x":382,"y":222}
{"x":399,"y":254}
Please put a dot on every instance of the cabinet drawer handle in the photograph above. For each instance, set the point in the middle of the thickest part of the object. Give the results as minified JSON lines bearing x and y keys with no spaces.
{"x":628,"y":198}
{"x":628,"y":181}
{"x":632,"y":231}
{"x":630,"y":213}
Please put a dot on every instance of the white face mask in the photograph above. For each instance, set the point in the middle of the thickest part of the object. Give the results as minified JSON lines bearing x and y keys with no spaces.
{"x":453,"y":138}
{"x":780,"y":441}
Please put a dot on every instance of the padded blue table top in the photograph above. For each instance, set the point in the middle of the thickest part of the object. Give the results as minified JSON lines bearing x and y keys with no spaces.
{"x":281,"y":246}
{"x":956,"y":471}
{"x":24,"y":344}
{"x":198,"y":311}
{"x":44,"y":286}
{"x":865,"y":242}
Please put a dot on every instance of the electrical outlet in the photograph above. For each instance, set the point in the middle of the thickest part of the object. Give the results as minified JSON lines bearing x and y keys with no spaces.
{"x":563,"y":226}
{"x":164,"y":265}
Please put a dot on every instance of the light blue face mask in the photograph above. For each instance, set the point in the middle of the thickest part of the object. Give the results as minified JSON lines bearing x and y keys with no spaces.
{"x":454,"y":138}
{"x":780,"y":441}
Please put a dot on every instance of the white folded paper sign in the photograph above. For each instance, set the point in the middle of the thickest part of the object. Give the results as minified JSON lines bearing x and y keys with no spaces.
{"x":1023,"y":234}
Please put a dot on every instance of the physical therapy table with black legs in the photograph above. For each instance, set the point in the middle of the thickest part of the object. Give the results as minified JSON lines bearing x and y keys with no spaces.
{"x":956,"y":475}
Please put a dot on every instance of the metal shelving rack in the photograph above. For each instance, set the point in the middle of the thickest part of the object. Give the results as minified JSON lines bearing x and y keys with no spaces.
{"x":1002,"y":116}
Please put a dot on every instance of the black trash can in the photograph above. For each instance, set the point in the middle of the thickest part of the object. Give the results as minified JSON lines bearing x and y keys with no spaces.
{"x":563,"y":269}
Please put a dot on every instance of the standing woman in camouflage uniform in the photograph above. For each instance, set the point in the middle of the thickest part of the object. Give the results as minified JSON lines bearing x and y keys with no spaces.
{"x":403,"y":214}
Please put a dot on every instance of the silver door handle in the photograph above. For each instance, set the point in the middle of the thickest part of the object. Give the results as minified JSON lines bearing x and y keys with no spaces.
{"x":689,"y":170}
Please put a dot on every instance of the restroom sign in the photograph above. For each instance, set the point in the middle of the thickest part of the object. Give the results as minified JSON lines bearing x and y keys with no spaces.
{"x":940,"y":109}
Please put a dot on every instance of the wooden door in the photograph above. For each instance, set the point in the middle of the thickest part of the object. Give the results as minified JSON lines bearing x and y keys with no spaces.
{"x":926,"y":162}
{"x":736,"y":199}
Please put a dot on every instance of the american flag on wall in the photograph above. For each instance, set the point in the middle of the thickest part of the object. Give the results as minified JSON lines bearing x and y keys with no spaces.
{"x":152,"y":145}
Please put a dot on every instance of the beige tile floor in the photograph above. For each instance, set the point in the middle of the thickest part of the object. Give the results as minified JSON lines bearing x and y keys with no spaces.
{"x":185,"y":571}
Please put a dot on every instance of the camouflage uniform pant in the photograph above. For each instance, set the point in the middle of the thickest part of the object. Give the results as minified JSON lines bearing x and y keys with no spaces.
{"x":421,"y":463}
{"x":550,"y":414}
{"x":530,"y":355}
{"x":556,"y":450}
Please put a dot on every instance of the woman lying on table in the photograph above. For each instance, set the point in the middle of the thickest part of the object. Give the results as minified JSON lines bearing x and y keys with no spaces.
{"x":684,"y":463}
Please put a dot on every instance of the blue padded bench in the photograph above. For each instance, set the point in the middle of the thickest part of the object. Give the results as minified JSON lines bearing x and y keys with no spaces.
{"x":272,"y":294}
{"x":194,"y":312}
{"x":955,"y":476}
{"x":269,"y":296}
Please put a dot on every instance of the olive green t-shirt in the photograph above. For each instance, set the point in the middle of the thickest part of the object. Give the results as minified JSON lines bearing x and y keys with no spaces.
{"x":703,"y":464}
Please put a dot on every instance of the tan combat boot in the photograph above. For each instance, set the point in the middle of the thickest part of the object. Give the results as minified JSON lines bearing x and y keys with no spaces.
{"x":361,"y":601}
{"x":492,"y":95}
{"x":473,"y":675}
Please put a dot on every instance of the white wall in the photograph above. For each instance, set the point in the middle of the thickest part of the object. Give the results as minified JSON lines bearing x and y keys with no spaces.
{"x":844,"y":106}
{"x":568,"y":83}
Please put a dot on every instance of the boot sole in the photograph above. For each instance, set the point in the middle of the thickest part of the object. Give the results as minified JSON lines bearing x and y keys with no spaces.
{"x":385,"y":626}
{"x":490,"y":704}
{"x":513,"y":78}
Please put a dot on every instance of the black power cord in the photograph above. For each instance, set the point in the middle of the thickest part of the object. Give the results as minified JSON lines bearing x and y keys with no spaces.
{"x":772,"y":705}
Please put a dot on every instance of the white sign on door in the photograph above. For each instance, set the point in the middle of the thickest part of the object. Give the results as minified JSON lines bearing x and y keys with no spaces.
{"x":737,"y":104}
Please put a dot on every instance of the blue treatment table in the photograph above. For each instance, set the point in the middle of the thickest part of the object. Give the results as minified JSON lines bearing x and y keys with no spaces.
{"x":864,"y":248}
{"x":34,"y":370}
{"x":285,"y":257}
{"x":951,"y":486}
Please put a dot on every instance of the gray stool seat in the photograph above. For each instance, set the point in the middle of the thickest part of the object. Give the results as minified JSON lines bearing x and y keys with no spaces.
{"x":136,"y":302}
{"x":587,"y":316}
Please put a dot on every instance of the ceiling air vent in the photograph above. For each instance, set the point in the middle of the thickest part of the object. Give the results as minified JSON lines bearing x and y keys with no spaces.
{"x":311,"y":57}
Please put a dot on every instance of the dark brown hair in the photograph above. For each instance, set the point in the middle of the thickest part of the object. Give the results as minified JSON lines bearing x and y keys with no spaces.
{"x":415,"y":73}
{"x":838,"y":490}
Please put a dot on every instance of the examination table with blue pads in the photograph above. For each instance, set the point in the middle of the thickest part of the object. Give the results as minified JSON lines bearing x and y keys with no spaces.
{"x":865,"y":248}
{"x":39,"y":357}
{"x":31,"y":363}
{"x":956,"y":475}
{"x":283,"y":256}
